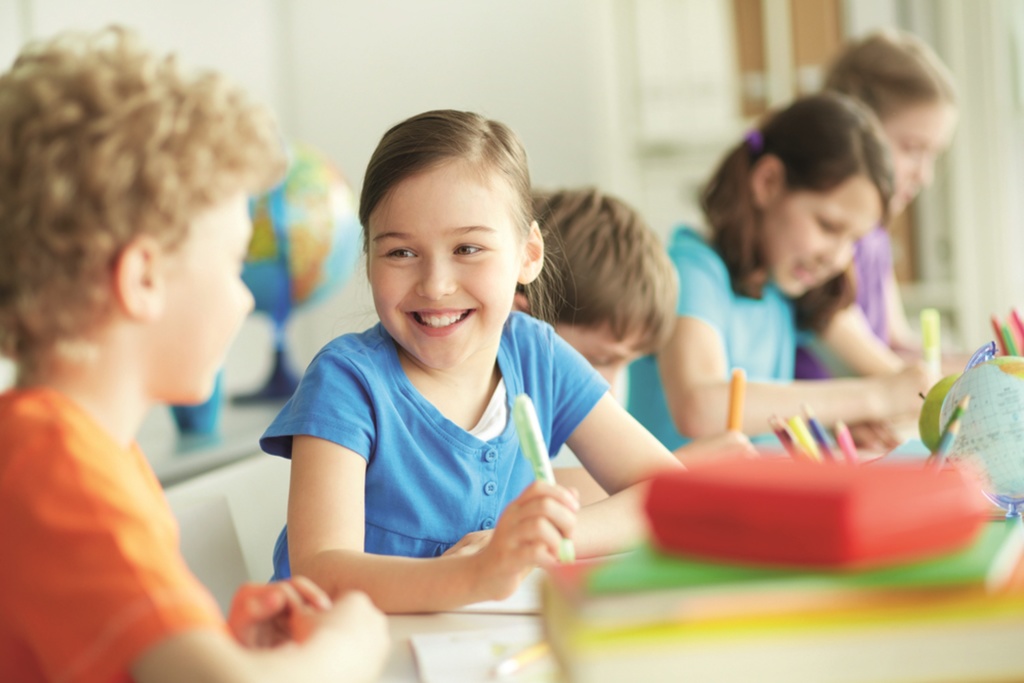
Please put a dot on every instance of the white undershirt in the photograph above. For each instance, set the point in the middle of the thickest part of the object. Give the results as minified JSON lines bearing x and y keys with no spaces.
{"x":495,"y":417}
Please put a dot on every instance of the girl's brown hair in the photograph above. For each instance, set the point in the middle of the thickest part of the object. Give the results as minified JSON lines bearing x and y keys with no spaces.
{"x":822,"y":140}
{"x":891,"y":70}
{"x":430,"y":139}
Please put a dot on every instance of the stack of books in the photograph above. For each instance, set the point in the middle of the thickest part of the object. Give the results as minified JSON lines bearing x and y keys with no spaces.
{"x":651,"y":616}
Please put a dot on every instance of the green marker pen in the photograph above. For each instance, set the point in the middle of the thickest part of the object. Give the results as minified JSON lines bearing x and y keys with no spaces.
{"x":531,"y":441}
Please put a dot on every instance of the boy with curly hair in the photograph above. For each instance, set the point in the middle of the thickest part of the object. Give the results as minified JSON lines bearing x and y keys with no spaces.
{"x":124,"y":225}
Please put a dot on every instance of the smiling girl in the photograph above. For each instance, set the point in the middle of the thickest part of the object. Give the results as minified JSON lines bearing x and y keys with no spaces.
{"x":901,"y":79}
{"x":406,"y":475}
{"x":784,"y":209}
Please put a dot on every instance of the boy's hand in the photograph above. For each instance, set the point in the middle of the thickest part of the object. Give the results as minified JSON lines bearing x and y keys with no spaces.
{"x":364,"y":629}
{"x":528,"y":534}
{"x":267,"y":615}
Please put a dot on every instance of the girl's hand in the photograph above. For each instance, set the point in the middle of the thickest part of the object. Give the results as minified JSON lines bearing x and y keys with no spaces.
{"x":527,"y":535}
{"x":725,"y":445}
{"x":471,"y":543}
{"x":874,"y":436}
{"x":904,"y":389}
{"x":267,"y":615}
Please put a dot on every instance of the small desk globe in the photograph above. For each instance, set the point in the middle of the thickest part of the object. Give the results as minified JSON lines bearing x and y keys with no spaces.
{"x":990,"y":445}
{"x":305,"y":244}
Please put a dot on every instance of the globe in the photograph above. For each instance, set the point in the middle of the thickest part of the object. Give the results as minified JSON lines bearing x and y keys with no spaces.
{"x":305,"y":244}
{"x":990,"y":444}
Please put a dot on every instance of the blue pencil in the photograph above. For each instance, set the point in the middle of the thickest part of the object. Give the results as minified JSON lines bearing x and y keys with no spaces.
{"x":937,"y":458}
{"x":820,"y":435}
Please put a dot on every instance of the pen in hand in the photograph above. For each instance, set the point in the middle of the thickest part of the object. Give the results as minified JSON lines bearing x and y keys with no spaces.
{"x":531,"y":441}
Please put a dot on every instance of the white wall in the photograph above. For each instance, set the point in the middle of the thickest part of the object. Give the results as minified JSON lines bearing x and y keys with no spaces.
{"x":338,"y":74}
{"x":359,"y":67}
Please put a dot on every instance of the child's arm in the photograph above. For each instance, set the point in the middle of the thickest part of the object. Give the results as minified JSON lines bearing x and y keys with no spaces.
{"x":578,"y":479}
{"x":901,"y":337}
{"x":621,"y":456}
{"x":344,"y":642}
{"x":693,"y":370}
{"x":326,"y":533}
{"x":851,"y":340}
{"x":724,"y":445}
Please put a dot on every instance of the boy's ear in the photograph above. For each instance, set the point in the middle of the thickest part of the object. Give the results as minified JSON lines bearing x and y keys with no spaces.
{"x":138,"y":283}
{"x":767,"y":180}
{"x":533,"y":256}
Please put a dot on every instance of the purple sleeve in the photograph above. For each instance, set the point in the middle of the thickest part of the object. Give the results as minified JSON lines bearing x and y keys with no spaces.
{"x":872,"y":262}
{"x":872,"y":259}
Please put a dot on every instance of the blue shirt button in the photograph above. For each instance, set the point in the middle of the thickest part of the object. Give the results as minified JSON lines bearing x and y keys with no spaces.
{"x":490,"y":487}
{"x":488,"y":523}
{"x":491,"y":455}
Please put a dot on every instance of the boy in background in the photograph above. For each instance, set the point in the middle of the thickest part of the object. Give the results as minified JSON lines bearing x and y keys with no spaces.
{"x":618,"y":303}
{"x":124,"y":225}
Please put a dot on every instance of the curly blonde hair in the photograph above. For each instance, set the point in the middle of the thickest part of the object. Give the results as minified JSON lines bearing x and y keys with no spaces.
{"x":102,"y":141}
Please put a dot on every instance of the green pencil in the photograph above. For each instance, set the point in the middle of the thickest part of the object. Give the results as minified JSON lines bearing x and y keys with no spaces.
{"x":531,"y":441}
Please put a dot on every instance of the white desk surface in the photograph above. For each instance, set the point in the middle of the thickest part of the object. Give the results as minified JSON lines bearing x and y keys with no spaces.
{"x":401,"y":667}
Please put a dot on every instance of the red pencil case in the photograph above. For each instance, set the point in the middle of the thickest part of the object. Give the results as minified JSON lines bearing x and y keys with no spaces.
{"x":780,"y":512}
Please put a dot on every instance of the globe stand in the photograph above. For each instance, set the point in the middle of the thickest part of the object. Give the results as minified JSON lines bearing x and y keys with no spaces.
{"x":283,"y":380}
{"x":201,"y":420}
{"x":1012,"y":504}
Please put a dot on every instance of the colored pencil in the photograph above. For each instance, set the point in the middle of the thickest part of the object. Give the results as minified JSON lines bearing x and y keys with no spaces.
{"x":819,"y":434}
{"x":998,"y":329}
{"x":846,"y":445}
{"x":1017,"y":326}
{"x":930,"y":340}
{"x":737,"y":394}
{"x":1011,"y":345}
{"x":949,"y":434}
{"x":803,"y":437}
{"x":786,"y":438}
{"x":518,"y":661}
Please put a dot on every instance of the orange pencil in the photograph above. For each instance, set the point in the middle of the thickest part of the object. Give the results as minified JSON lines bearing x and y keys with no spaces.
{"x":737,"y":393}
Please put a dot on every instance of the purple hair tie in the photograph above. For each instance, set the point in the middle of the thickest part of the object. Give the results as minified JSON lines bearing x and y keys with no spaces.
{"x":755,"y":141}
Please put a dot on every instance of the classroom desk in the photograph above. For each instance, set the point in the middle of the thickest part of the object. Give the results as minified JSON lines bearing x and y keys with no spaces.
{"x":401,"y":667}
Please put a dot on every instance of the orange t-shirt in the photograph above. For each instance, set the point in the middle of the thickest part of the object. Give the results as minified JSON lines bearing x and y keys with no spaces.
{"x":90,"y":569}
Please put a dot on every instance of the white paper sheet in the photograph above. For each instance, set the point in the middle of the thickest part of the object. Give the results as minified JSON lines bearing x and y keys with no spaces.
{"x":471,"y":656}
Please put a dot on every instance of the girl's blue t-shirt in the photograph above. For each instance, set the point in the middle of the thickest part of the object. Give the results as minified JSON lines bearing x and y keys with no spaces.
{"x":758,"y":335}
{"x":428,"y":481}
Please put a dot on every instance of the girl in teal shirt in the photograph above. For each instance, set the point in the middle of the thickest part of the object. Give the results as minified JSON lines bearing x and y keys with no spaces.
{"x":784,"y":209}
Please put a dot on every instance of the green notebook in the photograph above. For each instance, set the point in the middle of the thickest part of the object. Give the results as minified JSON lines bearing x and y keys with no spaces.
{"x":990,"y":561}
